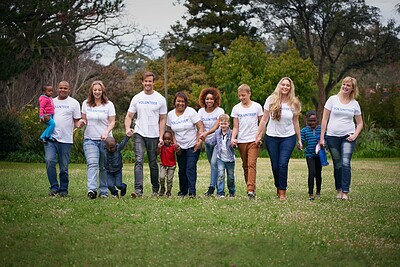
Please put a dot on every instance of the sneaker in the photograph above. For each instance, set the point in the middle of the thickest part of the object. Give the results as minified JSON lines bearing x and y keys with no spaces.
{"x":168,"y":194}
{"x":317,"y":195}
{"x":210,"y":191}
{"x":103,"y":196}
{"x":311,"y":197}
{"x":251,"y":195}
{"x":220,"y":196}
{"x":63,"y":194}
{"x":135,"y":195}
{"x":114,"y":196}
{"x":92,"y":194}
{"x":192,"y":195}
{"x":123,"y":191}
{"x":53,"y":193}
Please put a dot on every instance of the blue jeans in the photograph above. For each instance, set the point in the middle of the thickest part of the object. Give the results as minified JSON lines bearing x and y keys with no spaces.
{"x":230,"y":173}
{"x":49,"y":129}
{"x":114,"y":179}
{"x":187,"y":162}
{"x":341,"y":152}
{"x":150,"y":144}
{"x":211,"y":153}
{"x":279,"y":150}
{"x":95,"y":158}
{"x":63,"y":151}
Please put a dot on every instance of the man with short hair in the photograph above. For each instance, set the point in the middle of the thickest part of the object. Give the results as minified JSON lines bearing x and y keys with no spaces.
{"x":66,"y":115}
{"x":150,"y":108}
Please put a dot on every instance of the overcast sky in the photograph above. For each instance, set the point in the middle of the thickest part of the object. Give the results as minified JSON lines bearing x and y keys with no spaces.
{"x":159,"y":15}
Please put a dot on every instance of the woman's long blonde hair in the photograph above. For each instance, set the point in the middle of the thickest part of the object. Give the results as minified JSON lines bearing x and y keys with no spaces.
{"x":353,"y":81}
{"x":275,"y":106}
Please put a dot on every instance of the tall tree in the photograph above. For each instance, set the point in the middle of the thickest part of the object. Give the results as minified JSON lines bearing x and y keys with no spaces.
{"x":337,"y":35}
{"x":210,"y":24}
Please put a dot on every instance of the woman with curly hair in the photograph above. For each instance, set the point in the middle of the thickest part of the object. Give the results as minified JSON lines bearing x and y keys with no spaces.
{"x":209,"y":100}
{"x":281,"y":112}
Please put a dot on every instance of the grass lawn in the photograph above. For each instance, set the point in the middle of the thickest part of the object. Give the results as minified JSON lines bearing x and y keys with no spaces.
{"x":38,"y":230}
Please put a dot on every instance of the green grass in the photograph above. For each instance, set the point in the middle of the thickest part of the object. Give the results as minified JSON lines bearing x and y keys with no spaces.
{"x":43,"y":231}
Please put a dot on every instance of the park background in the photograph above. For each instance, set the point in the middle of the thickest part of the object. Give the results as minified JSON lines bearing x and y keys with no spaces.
{"x":215,"y":43}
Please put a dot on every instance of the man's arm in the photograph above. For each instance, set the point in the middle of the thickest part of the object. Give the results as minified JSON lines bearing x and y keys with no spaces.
{"x":128,"y":121}
{"x":163,"y":122}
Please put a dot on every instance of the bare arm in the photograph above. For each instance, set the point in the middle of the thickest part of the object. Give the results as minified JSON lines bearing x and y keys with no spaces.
{"x":297,"y":130}
{"x":261,"y":126}
{"x":235,"y":131}
{"x":200,"y":129}
{"x":324,"y":123}
{"x":128,"y":121}
{"x":204,"y":135}
{"x":359,"y":127}
{"x":111,"y":124}
{"x":163,"y":122}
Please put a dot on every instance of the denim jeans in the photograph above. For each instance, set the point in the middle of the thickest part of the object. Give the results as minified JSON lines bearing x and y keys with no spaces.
{"x":230,"y":173}
{"x":341,"y":152}
{"x":279,"y":150}
{"x":187,"y":163}
{"x":150,"y":144}
{"x":95,"y":158}
{"x":63,"y":151}
{"x":211,"y":153}
{"x":114,"y":179}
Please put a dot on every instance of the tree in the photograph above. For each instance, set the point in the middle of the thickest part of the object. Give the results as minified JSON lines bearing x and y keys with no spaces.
{"x":210,"y":24}
{"x":337,"y":35}
{"x":248,"y":62}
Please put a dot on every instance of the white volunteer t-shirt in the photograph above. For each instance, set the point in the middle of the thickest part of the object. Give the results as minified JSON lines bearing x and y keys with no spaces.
{"x":248,"y":121}
{"x":284,"y":127}
{"x":184,"y":127}
{"x":209,"y":119}
{"x":341,"y":120}
{"x":97,"y":119}
{"x":65,"y":111}
{"x":148,"y":109}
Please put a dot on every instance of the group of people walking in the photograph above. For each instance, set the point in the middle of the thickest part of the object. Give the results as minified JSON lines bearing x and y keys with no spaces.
{"x":178,"y":136}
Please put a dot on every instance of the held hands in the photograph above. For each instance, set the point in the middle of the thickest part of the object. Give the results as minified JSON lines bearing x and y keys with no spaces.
{"x":234,"y":143}
{"x":130,"y":132}
{"x":203,"y":136}
{"x":198,"y":145}
{"x":81,"y":123}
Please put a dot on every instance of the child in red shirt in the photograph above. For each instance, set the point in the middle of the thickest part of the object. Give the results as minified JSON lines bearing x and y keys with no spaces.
{"x":46,"y":113}
{"x":168,"y":162}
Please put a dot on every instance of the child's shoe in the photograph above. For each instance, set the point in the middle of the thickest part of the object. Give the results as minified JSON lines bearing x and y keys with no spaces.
{"x":311,"y":197}
{"x":168,"y":194}
{"x":251,"y":195}
{"x":210,"y":191}
{"x":91,"y":194}
{"x":162,"y":191}
{"x":123,"y":191}
{"x":318,"y":195}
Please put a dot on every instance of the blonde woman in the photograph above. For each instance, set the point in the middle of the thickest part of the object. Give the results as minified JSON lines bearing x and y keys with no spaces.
{"x":281,"y":112}
{"x":341,"y":133}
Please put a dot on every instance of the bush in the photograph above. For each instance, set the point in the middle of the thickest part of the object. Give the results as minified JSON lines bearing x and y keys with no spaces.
{"x":10,"y":133}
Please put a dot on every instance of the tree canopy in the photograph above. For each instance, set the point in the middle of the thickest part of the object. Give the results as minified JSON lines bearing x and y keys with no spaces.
{"x":339,"y":36}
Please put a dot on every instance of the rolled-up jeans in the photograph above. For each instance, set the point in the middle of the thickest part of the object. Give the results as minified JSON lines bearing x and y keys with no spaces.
{"x":95,"y":158}
{"x":341,"y":151}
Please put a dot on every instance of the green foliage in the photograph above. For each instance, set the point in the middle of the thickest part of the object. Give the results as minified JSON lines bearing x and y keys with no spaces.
{"x":10,"y":133}
{"x":32,"y":128}
{"x":210,"y":24}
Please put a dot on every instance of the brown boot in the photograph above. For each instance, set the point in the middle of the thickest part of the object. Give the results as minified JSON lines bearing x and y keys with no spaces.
{"x":282,"y":194}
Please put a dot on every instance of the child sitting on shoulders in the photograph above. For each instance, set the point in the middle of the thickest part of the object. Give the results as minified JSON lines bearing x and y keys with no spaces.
{"x":46,"y":113}
{"x":225,"y":157}
{"x":167,"y":152}
{"x":114,"y":164}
